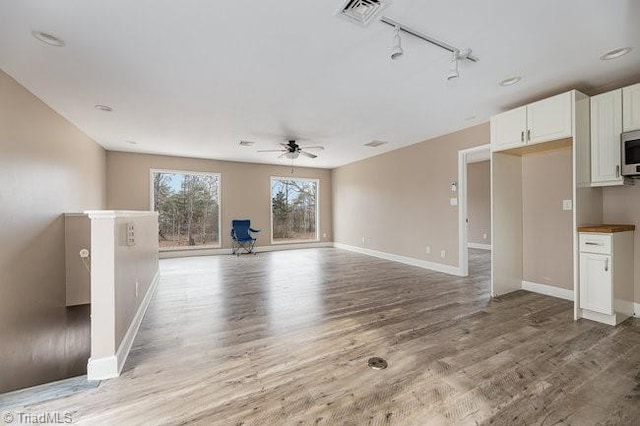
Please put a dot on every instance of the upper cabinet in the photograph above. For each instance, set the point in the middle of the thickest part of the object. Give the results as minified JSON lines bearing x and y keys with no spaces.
{"x":631,"y":108}
{"x":606,"y":127}
{"x":508,"y":129}
{"x":542,"y":121}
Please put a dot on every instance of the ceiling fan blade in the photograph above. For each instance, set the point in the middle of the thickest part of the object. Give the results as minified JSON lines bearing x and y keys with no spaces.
{"x":318,"y":147}
{"x":307,"y":154}
{"x":272,"y":150}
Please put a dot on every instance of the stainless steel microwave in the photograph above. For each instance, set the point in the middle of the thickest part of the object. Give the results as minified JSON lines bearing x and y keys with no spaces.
{"x":631,"y":154}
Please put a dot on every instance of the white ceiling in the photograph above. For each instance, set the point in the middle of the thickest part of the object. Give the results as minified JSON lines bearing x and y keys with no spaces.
{"x":194,"y":77}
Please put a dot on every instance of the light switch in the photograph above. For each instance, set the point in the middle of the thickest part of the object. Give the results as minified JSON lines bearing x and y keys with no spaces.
{"x":131,"y":234}
{"x":567,"y":205}
{"x":453,"y":201}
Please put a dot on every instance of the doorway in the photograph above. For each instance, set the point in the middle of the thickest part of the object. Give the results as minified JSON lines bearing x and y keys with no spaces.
{"x":474,"y":205}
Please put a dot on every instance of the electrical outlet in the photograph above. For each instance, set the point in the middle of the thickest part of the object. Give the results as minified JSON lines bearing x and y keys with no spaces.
{"x":443,"y":254}
{"x":453,"y":201}
{"x":567,"y":205}
{"x":363,"y":240}
{"x":484,"y":236}
{"x":324,"y":235}
{"x":428,"y":250}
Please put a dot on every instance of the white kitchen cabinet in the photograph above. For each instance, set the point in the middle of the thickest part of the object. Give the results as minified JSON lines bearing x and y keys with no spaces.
{"x":596,"y":283}
{"x":543,"y":121}
{"x":606,"y":273}
{"x":508,"y":129}
{"x":631,"y":108}
{"x":606,"y":127}
{"x":549,"y":119}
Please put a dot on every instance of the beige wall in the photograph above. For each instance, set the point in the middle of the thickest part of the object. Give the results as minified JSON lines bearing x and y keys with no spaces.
{"x":622,"y":205}
{"x":399,"y":201}
{"x":245,"y":190}
{"x":479,"y":202}
{"x":47,"y":167}
{"x":135,"y":266}
{"x":547,"y":230}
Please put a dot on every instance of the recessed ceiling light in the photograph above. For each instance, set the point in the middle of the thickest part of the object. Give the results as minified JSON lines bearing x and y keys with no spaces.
{"x":47,"y":38}
{"x":374,"y":144}
{"x":103,"y":108}
{"x":246,"y":143}
{"x":510,"y":81}
{"x":615,"y":53}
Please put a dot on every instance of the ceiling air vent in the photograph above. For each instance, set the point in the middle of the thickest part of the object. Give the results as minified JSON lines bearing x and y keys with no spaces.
{"x":374,"y":144}
{"x":362,"y":11}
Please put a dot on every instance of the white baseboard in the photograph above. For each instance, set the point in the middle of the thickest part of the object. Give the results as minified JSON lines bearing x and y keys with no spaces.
{"x":636,"y":310}
{"x":102,"y":368}
{"x":110,"y":367}
{"x":170,"y":254}
{"x":479,"y":246}
{"x":548,"y":290}
{"x":438,"y":267}
{"x":294,"y":246}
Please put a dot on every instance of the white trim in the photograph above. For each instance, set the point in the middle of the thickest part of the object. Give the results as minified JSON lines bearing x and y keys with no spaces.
{"x":548,"y":290}
{"x":102,"y":368}
{"x":479,"y":246}
{"x":258,"y":249}
{"x":279,"y":247}
{"x":317,"y":181}
{"x":112,"y":214}
{"x":171,"y":254}
{"x":438,"y":267}
{"x":463,"y":238}
{"x":110,"y":367}
{"x":636,"y":310}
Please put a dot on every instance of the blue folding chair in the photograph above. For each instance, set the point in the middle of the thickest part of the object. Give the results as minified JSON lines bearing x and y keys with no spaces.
{"x":241,"y":236}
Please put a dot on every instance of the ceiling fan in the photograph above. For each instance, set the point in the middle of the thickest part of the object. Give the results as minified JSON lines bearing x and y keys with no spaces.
{"x":292,"y":150}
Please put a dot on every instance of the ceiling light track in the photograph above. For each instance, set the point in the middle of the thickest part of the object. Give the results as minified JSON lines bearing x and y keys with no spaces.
{"x":428,"y":39}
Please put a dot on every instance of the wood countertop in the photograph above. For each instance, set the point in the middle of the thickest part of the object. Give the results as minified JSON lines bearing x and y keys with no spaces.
{"x":607,"y":229}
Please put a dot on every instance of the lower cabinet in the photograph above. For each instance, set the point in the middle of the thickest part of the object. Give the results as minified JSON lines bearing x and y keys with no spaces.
{"x":606,"y":276}
{"x":596,"y":283}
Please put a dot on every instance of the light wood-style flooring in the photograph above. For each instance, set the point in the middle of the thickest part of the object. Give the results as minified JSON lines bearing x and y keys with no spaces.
{"x":283,"y":338}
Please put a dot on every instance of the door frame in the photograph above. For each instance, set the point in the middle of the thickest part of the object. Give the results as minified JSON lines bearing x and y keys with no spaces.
{"x":464,"y":157}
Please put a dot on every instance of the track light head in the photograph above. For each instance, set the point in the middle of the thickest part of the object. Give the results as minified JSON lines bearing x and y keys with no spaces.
{"x":453,"y":71}
{"x":396,"y":50}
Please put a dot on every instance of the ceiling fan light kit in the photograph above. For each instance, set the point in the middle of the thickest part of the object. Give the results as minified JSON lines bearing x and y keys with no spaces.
{"x":292,"y":150}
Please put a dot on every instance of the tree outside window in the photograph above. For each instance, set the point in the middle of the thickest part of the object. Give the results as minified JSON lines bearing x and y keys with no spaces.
{"x":188,"y":206}
{"x":294,"y":209}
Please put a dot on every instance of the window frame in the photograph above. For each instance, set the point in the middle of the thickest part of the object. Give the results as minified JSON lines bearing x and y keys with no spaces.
{"x":198,"y":173}
{"x":317,"y":182}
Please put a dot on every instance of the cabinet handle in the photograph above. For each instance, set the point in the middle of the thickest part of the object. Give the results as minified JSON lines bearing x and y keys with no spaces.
{"x":618,"y":171}
{"x":589,"y":243}
{"x":606,"y":264}
{"x":529,"y":135}
{"x":522,"y":136}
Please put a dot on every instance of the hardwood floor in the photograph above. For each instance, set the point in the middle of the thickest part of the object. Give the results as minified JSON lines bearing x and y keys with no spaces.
{"x":283,"y":338}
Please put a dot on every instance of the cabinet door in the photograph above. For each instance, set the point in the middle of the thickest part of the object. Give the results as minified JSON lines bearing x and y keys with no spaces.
{"x":631,"y":108}
{"x":550,"y":119}
{"x":606,"y":126}
{"x":596,"y":287}
{"x":508,"y":129}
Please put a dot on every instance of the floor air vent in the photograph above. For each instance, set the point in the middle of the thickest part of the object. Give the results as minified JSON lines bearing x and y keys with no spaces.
{"x":362,"y":11}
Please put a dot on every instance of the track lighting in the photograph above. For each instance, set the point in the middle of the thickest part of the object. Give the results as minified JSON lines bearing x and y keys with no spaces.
{"x":453,"y":71}
{"x":396,"y":50}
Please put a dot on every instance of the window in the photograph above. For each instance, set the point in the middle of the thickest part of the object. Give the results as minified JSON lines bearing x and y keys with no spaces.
{"x":294,"y":210}
{"x":188,"y":206}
